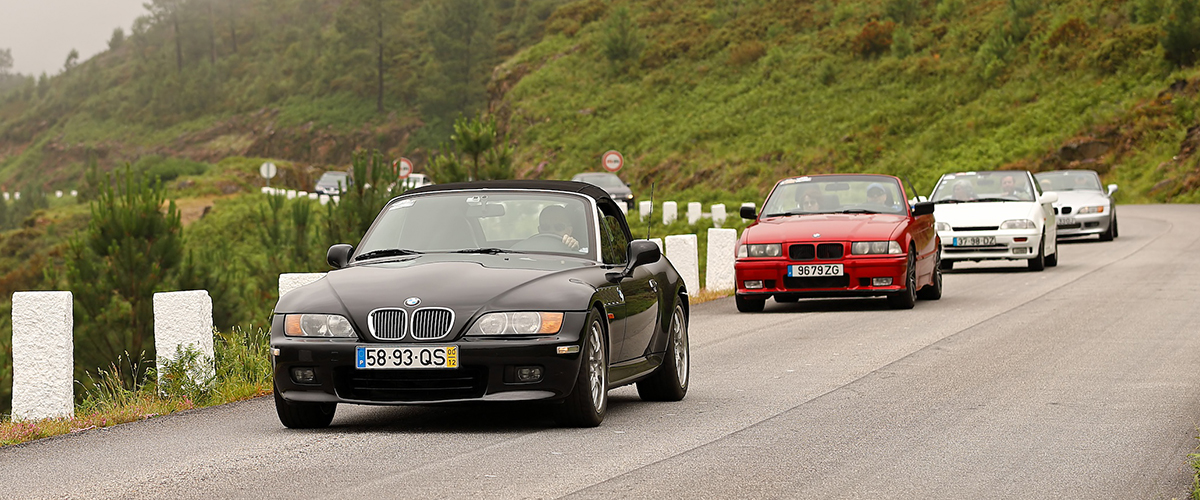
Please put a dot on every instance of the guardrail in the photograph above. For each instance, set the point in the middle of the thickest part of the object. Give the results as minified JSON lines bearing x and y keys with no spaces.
{"x":43,"y":343}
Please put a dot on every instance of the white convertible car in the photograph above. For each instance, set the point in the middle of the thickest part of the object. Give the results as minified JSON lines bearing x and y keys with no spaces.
{"x":1084,"y":208}
{"x":995,"y":215}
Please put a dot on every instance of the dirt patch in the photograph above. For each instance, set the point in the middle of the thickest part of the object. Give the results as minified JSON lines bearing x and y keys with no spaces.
{"x":193,"y":209}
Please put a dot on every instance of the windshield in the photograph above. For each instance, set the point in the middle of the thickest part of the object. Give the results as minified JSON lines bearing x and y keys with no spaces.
{"x":984,"y":186}
{"x":484,"y":221}
{"x":333,"y":178}
{"x":602,"y":180}
{"x":835,"y":194}
{"x":1082,"y":180}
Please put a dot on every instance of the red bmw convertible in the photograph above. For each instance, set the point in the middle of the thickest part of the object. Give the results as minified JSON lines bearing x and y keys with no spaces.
{"x":838,"y":235}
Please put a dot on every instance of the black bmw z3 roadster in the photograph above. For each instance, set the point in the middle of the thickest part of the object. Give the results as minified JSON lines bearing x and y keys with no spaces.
{"x":485,"y":291}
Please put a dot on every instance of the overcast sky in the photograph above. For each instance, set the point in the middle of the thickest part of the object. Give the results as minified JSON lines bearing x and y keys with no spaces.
{"x":42,"y":32}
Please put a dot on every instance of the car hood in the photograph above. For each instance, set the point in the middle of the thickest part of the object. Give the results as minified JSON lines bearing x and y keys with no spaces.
{"x":986,"y":213}
{"x":831,"y":227}
{"x":1080,"y":198}
{"x":465,"y":284}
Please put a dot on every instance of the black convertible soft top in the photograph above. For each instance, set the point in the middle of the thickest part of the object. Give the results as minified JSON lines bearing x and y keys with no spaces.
{"x":599,"y":194}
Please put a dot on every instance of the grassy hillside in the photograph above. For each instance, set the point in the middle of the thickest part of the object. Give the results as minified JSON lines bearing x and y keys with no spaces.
{"x":741,"y":93}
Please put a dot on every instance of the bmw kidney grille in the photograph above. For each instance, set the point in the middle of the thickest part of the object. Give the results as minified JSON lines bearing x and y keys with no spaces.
{"x":387,"y":324}
{"x":431,"y":323}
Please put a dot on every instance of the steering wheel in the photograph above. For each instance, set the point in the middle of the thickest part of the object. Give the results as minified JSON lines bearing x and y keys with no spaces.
{"x":541,"y":241}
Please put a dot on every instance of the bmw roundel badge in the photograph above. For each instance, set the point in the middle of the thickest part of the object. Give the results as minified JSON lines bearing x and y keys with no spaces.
{"x":412,"y":301}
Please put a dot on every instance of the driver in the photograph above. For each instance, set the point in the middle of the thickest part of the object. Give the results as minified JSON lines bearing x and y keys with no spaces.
{"x":877,"y":195}
{"x":554,"y":221}
{"x":1009,"y":185}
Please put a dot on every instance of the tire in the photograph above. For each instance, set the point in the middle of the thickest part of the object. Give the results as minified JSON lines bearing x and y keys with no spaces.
{"x":945,"y":265}
{"x":906,"y":298}
{"x":670,"y":380}
{"x":295,"y":415}
{"x":588,"y":402}
{"x":1052,"y":260}
{"x":748,"y":305}
{"x":1039,"y":263}
{"x":1111,"y":232}
{"x":933,"y":291}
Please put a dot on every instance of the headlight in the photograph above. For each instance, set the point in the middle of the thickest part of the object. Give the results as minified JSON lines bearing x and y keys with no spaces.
{"x":517,"y":323}
{"x":875,"y":247}
{"x":1091,"y":210}
{"x":317,"y":325}
{"x":942,"y":226}
{"x":1018,"y":224}
{"x":760,"y":250}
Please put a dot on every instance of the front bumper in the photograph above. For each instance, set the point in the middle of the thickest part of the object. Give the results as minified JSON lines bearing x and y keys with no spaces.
{"x":859,"y":271}
{"x":1083,"y":225}
{"x":1011,"y":244}
{"x":486,"y":369}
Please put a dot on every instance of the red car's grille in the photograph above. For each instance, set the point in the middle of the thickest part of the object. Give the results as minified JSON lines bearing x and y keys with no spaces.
{"x":808,"y":251}
{"x":830,"y":251}
{"x":803,"y":251}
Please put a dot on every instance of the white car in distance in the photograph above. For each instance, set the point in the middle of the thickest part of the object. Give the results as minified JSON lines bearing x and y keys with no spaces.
{"x":995,"y":215}
{"x":1084,"y":208}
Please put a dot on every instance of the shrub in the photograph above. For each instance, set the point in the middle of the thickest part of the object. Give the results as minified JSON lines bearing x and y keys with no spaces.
{"x":621,"y":42}
{"x":1070,"y":32}
{"x":1182,"y":40}
{"x":874,"y":39}
{"x":904,"y":11}
{"x":746,"y":52}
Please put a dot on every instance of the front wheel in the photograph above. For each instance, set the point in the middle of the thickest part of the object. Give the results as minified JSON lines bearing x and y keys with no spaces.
{"x":748,"y":305}
{"x":670,"y":381}
{"x":588,"y":401}
{"x":1039,"y":263}
{"x":1111,"y":232}
{"x":906,"y":298}
{"x":295,"y":415}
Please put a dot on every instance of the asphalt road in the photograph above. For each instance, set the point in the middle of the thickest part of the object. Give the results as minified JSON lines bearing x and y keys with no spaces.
{"x":1082,"y":381}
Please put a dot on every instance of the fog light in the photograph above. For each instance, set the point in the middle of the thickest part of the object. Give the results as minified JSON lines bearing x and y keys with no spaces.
{"x":1020,"y":251}
{"x":753,"y":284}
{"x":529,"y":373}
{"x":304,"y":375}
{"x":881,"y":282}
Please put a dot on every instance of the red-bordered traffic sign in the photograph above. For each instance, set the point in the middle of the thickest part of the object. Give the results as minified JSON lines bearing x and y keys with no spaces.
{"x":403,"y":166}
{"x":612,"y":161}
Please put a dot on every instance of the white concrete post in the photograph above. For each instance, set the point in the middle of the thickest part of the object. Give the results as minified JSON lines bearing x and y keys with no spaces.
{"x":694,"y":212}
{"x":335,"y":199}
{"x":302,"y":194}
{"x":291,"y":194}
{"x":74,"y":193}
{"x":292,"y":281}
{"x":17,"y":195}
{"x":314,"y":196}
{"x":624,"y":206}
{"x":6,"y":196}
{"x":670,"y":211}
{"x":184,"y":320}
{"x":58,"y":194}
{"x":324,"y":199}
{"x":265,"y":190}
{"x":644,"y":208}
{"x":718,"y":272}
{"x":718,"y":214}
{"x":43,"y":353}
{"x":682,"y":251}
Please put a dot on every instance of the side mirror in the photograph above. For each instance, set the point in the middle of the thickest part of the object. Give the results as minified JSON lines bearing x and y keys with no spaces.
{"x":641,"y":252}
{"x":748,"y":212}
{"x":339,"y":255}
{"x":1112,"y":188}
{"x":1048,"y":198}
{"x":922,"y":208}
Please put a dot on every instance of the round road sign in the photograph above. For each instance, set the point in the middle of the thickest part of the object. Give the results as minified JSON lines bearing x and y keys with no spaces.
{"x":613,"y":161}
{"x":267,"y":170}
{"x":403,"y":167}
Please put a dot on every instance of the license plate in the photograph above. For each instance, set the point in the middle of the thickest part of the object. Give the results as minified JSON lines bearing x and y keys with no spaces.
{"x":811,"y":270}
{"x":406,"y":357}
{"x":1066,"y":221}
{"x":974,"y":241}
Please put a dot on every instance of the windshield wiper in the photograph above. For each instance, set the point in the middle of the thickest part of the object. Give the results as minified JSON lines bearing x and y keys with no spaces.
{"x":993,"y":199}
{"x":387,"y":252}
{"x":489,"y":251}
{"x":787,"y":214}
{"x":858,"y":211}
{"x":948,"y":200}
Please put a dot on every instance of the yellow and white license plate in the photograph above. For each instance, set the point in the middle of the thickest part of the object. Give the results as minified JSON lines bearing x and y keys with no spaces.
{"x":390,"y":357}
